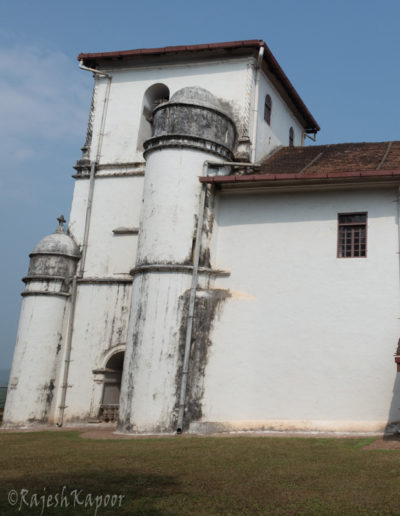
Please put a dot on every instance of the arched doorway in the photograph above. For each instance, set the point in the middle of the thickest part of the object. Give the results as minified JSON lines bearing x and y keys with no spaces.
{"x":112,"y":387}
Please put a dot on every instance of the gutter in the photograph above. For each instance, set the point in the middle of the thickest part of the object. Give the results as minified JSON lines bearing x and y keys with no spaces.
{"x":253,"y":179}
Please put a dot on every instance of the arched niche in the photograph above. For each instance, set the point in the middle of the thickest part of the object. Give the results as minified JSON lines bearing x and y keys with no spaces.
{"x":109,"y":406}
{"x":153,"y":96}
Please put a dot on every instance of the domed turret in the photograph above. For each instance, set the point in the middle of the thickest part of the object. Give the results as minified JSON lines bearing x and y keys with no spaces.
{"x":193,"y":118}
{"x":57,"y":243}
{"x":198,"y":97}
{"x":35,"y":379}
{"x":54,"y":256}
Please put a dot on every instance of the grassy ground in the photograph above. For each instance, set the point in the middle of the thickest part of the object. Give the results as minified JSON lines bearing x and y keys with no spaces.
{"x":199,"y":476}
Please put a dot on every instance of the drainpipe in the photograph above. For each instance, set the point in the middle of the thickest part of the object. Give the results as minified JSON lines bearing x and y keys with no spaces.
{"x":85,"y":240}
{"x":93,"y":171}
{"x":397,"y":354}
{"x":255,"y":108}
{"x":193,"y":288}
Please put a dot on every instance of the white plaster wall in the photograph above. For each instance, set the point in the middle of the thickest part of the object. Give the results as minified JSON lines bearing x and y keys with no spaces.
{"x":227,"y":80}
{"x":168,"y":223}
{"x":305,"y":337}
{"x":117,"y":202}
{"x":36,"y":356}
{"x":150,"y":381}
{"x":76,"y":222}
{"x":271,"y":136}
{"x":100,"y":325}
{"x":171,"y":204}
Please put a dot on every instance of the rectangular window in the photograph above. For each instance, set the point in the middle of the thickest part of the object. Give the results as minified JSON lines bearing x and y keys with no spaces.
{"x":352,"y":235}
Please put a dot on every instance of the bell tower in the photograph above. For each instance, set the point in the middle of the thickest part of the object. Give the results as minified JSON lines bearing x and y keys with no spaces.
{"x":189,"y":130}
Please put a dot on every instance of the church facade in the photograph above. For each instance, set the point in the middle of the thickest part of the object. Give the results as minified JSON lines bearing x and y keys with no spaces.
{"x":217,"y":274}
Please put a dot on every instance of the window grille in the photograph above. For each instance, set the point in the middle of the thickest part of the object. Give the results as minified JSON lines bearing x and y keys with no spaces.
{"x":352,"y":235}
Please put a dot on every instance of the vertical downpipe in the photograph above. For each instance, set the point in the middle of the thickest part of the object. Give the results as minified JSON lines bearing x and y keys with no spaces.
{"x":255,"y":109}
{"x":192,"y":300}
{"x":398,"y":225}
{"x":88,"y":217}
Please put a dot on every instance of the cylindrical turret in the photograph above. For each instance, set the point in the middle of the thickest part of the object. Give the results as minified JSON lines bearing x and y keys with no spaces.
{"x":188,"y":130}
{"x":39,"y":346}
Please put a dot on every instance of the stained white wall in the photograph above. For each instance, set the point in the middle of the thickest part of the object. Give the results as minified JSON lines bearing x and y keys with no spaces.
{"x":116,"y":203}
{"x":100,"y":327}
{"x":36,"y":359}
{"x":306,"y":340}
{"x":154,"y":345}
{"x":229,"y":80}
{"x":282,"y":118}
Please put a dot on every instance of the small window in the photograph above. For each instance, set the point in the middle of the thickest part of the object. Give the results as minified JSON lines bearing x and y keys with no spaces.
{"x":291,"y":137}
{"x":267,"y":109}
{"x":352,"y":235}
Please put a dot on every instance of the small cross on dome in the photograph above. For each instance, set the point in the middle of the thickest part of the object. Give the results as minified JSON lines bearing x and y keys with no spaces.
{"x":61,"y":222}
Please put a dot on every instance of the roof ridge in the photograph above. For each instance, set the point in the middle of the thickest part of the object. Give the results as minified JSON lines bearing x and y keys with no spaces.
{"x":380,"y":164}
{"x":311,"y":163}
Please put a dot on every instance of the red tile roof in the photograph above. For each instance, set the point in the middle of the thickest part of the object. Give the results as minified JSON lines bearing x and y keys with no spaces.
{"x":349,"y":157}
{"x":253,"y":45}
{"x":352,"y":161}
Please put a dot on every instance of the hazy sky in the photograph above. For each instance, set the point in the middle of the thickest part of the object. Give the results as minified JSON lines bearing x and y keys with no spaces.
{"x":341,"y":56}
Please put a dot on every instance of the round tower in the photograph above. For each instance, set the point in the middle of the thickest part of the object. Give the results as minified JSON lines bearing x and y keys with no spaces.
{"x":189,"y":130}
{"x":37,"y":357}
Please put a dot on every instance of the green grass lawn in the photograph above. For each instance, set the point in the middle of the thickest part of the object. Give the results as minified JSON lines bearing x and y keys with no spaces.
{"x":201,"y":475}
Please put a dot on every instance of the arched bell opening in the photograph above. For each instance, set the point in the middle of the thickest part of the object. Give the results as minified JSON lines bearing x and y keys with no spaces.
{"x":154,"y":96}
{"x":109,"y":406}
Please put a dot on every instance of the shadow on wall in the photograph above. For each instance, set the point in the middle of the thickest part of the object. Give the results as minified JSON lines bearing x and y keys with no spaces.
{"x":236,"y":209}
{"x":393,"y":425}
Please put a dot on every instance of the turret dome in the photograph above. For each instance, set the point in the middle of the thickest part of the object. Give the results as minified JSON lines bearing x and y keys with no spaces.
{"x":198,"y":97}
{"x":57,"y":243}
{"x":55,"y":256}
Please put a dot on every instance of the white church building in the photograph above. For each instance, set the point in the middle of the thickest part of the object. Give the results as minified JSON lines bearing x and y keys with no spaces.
{"x":216,"y":273}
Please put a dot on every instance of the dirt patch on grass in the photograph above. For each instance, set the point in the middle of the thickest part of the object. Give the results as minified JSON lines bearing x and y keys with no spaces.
{"x":384,"y":443}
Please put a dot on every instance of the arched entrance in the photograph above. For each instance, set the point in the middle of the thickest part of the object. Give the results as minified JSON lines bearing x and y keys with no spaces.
{"x":112,"y":387}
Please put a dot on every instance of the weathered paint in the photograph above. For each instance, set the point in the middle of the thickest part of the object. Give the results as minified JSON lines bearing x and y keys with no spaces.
{"x":207,"y":304}
{"x":269,"y":137}
{"x":231,"y":81}
{"x":97,"y":335}
{"x":36,"y":362}
{"x":314,"y":337}
{"x":44,"y":314}
{"x":150,"y":382}
{"x":303,"y":340}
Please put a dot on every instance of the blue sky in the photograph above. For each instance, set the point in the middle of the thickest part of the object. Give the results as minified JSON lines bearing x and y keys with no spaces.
{"x":341,"y":56}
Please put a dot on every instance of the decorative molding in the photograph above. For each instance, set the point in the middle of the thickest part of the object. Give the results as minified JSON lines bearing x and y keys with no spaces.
{"x":43,"y":293}
{"x":104,"y":281}
{"x":176,"y":267}
{"x":125,"y":231}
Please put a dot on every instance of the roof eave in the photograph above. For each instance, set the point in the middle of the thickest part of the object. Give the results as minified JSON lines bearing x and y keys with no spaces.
{"x":275,"y":180}
{"x":310,"y":124}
